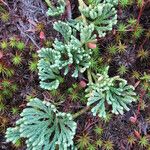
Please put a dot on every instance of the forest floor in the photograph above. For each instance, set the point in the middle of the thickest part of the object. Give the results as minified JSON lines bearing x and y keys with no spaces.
{"x":21,"y":24}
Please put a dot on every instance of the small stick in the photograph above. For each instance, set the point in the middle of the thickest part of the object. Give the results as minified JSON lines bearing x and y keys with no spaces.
{"x":4,"y":2}
{"x":69,"y":13}
{"x":140,"y":102}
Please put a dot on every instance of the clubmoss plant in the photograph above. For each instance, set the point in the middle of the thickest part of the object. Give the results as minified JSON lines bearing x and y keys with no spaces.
{"x":63,"y":55}
{"x":47,"y":71}
{"x":113,"y":90}
{"x":76,"y":47}
{"x":47,"y":130}
{"x":101,"y":14}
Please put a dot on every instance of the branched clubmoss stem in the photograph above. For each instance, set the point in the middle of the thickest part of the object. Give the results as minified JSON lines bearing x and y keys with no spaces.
{"x":94,"y":76}
{"x":82,"y":4}
{"x":89,"y":76}
{"x":48,"y":3}
{"x":87,"y":108}
{"x":82,"y":111}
